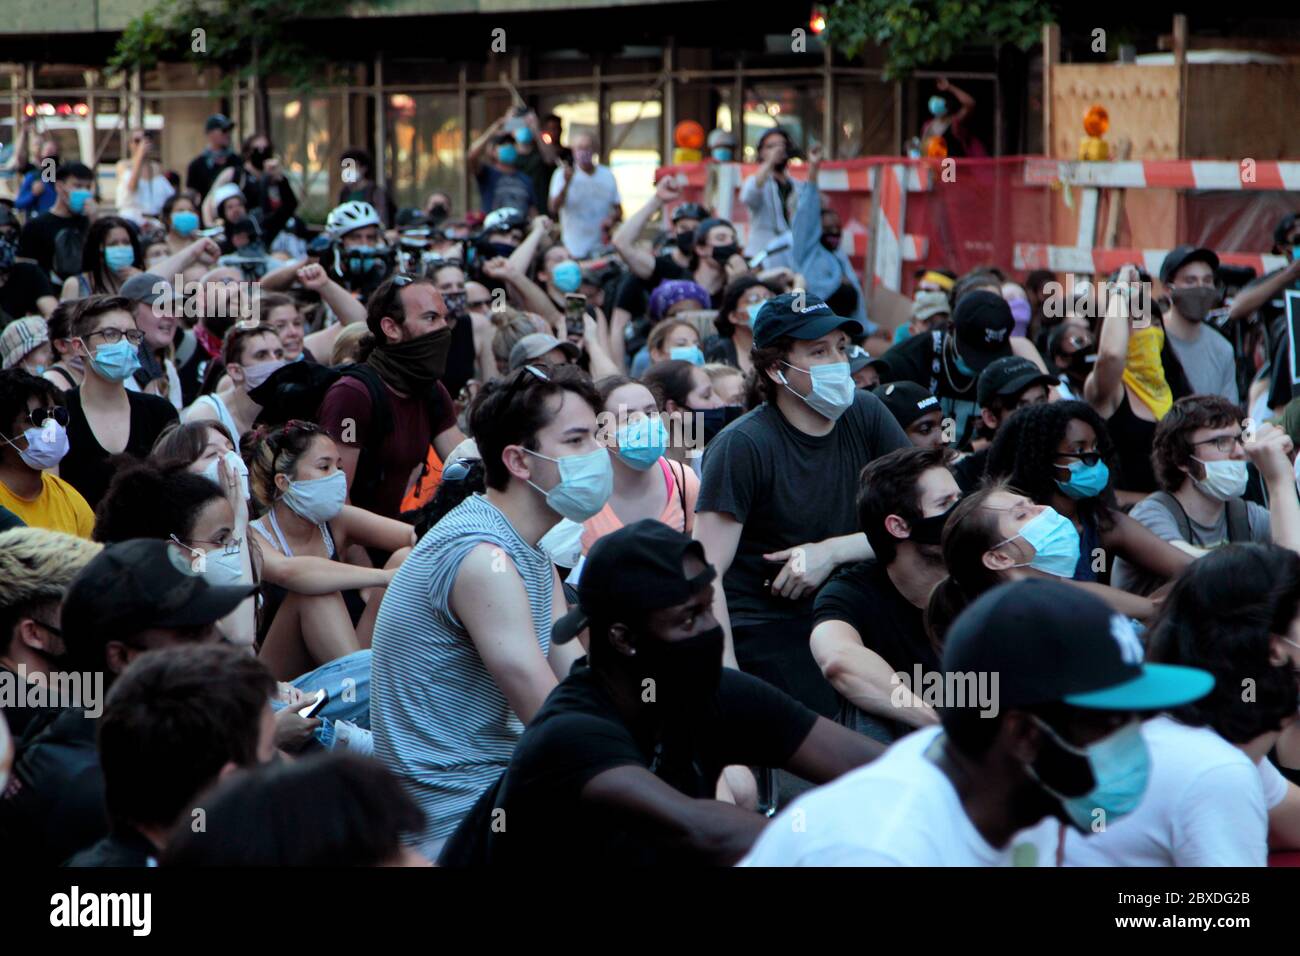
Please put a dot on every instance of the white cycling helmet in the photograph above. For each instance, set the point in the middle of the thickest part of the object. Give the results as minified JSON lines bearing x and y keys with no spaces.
{"x":351,"y":216}
{"x":224,"y":192}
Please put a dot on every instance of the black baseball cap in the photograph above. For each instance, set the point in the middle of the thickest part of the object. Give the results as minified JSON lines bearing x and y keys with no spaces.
{"x":906,"y":401}
{"x":218,"y":121}
{"x":632,"y":571}
{"x":143,"y":583}
{"x":1181,"y":256}
{"x":411,"y":218}
{"x":859,"y":358}
{"x":799,"y":315}
{"x":1051,"y":642}
{"x":690,"y":210}
{"x":982,"y":324}
{"x":1009,"y":375}
{"x":1282,"y":231}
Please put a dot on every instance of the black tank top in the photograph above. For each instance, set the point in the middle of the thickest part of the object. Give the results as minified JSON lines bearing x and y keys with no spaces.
{"x":1133,"y":438}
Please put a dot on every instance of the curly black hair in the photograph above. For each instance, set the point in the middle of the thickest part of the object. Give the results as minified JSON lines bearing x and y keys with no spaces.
{"x":1221,"y":617}
{"x":1025,"y":451}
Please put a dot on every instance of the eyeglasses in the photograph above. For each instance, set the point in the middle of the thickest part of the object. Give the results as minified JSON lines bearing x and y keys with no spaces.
{"x":459,"y":469}
{"x":39,"y":416}
{"x":1089,"y":458}
{"x":1223,"y":443}
{"x":229,"y":546}
{"x":113,"y":336}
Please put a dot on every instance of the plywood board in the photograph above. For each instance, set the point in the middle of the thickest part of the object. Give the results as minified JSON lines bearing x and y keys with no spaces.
{"x":1242,"y":110}
{"x":1142,"y":102}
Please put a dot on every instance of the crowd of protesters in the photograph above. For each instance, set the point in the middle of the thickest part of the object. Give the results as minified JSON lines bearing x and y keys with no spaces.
{"x":535,"y":532}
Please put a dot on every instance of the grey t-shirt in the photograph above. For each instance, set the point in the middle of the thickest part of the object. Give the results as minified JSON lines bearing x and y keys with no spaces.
{"x":788,"y":488}
{"x":1158,"y":520}
{"x":1209,"y":363}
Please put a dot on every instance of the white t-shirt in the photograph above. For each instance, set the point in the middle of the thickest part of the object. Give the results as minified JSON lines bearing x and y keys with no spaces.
{"x":588,"y":203}
{"x":1206,"y":804}
{"x":147,"y":200}
{"x":899,"y":810}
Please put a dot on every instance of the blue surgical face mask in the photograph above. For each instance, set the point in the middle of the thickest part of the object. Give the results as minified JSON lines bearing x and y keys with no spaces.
{"x":508,"y":154}
{"x":365,"y":259}
{"x":586,"y":482}
{"x":318,"y":499}
{"x":832,"y":388}
{"x":567,"y":276}
{"x":687,"y":353}
{"x":642,"y":443}
{"x":523,"y":135}
{"x":721,"y":153}
{"x":1086,"y":481}
{"x":77,"y":199}
{"x":46,"y":446}
{"x":118,"y":258}
{"x":752,"y":310}
{"x":938,"y":106}
{"x":1055,"y":541}
{"x":184,"y":222}
{"x":1120,"y":765}
{"x":116,"y":362}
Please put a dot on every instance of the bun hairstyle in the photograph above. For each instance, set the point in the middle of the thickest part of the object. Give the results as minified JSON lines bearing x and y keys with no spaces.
{"x":275,"y":451}
{"x":971,"y":530}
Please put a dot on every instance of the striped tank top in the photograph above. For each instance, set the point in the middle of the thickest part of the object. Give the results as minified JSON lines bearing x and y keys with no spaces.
{"x":440,"y":722}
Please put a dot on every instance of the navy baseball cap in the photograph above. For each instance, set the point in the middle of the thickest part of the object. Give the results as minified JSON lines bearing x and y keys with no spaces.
{"x":1052,"y":642}
{"x":1181,"y":256}
{"x":632,"y":571}
{"x":799,"y":315}
{"x":218,"y":121}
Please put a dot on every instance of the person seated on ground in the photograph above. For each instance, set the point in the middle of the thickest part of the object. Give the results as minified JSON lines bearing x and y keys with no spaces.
{"x":462,"y":645}
{"x":330,"y":810}
{"x":33,"y":442}
{"x":728,"y":383}
{"x":916,"y":411}
{"x":669,"y":299}
{"x":1059,"y":454}
{"x":605,"y":774}
{"x":996,"y":535}
{"x":993,"y":783}
{"x":177,"y":722}
{"x":36,"y":567}
{"x":1009,"y":384}
{"x":646,"y":483}
{"x":105,"y":419}
{"x":25,"y":344}
{"x":315,"y":609}
{"x":1200,"y":459}
{"x":251,"y":354}
{"x":741,"y":301}
{"x":131,"y":598}
{"x":869,"y":617}
{"x":1214,"y":797}
{"x":110,"y":256}
{"x":692,"y":412}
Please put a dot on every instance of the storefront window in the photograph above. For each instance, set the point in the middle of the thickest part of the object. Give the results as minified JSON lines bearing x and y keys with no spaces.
{"x":425,"y":153}
{"x":300,"y":129}
{"x":632,"y":153}
{"x":796,"y":105}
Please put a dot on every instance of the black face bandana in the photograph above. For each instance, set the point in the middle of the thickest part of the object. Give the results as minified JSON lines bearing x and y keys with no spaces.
{"x":685,"y":242}
{"x":722,"y":254}
{"x":413,"y":366}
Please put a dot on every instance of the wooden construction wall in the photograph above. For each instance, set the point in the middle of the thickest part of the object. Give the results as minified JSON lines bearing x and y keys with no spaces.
{"x":1142,"y":102}
{"x":1242,"y":110}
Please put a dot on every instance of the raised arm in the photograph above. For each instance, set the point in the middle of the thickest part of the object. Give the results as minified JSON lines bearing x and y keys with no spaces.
{"x":806,"y":229}
{"x":340,"y":300}
{"x":201,"y":251}
{"x":640,"y":261}
{"x":966,"y":102}
{"x":475,"y":154}
{"x":1257,"y":294}
{"x":526,"y":251}
{"x":1269,"y":448}
{"x":1102,"y":389}
{"x":533,"y":296}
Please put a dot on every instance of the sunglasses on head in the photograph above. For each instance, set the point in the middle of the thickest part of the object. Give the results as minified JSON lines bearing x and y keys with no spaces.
{"x":459,"y":469}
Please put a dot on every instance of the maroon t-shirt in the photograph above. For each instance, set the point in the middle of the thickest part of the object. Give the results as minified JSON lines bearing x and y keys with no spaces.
{"x":346,"y":414}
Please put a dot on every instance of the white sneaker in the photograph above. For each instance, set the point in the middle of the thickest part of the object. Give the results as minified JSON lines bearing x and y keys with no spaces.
{"x":351,"y":737}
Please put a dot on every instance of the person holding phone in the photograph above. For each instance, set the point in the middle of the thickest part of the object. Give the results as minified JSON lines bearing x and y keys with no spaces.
{"x":769,"y":195}
{"x":141,"y":186}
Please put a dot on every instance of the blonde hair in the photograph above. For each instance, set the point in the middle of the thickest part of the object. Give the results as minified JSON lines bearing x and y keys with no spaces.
{"x":347,"y":344}
{"x":717,"y":370}
{"x":511,"y":325}
{"x":660,"y":333}
{"x":37,"y":565}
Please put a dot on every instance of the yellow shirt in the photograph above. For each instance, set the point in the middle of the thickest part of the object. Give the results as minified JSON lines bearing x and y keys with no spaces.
{"x":59,"y":507}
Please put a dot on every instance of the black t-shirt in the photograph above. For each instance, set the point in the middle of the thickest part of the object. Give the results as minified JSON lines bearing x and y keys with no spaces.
{"x":862,"y":596}
{"x":578,"y":734}
{"x":123,"y":847}
{"x":201,"y":174}
{"x":635,"y":294}
{"x":788,"y":488}
{"x":20,"y":716}
{"x":26,"y":283}
{"x":87,"y":466}
{"x":36,"y":241}
{"x":718,"y":348}
{"x":919,"y":359}
{"x":969,"y":471}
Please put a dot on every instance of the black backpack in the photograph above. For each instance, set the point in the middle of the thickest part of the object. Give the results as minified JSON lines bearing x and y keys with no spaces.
{"x":297,"y":390}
